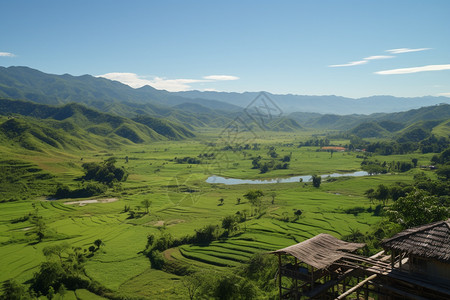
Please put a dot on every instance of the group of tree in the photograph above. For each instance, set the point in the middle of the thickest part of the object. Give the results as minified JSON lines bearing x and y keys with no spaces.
{"x":404,"y":145}
{"x":105,"y":172}
{"x":85,"y":189}
{"x":424,"y":201}
{"x":64,"y":268}
{"x":372,"y":166}
{"x":255,"y":279}
{"x":267,"y":165}
{"x":187,"y":160}
{"x":315,"y":142}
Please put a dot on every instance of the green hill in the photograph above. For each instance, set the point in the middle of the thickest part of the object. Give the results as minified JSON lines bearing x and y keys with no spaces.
{"x":50,"y":125}
{"x":369,"y":129}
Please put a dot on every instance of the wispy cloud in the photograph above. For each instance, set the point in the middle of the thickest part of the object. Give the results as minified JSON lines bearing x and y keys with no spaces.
{"x":414,"y":70}
{"x":444,"y":94}
{"x":406,"y":50}
{"x":353,"y":63}
{"x":374,"y":57}
{"x":6,"y":54}
{"x":172,"y":85}
{"x":221,"y":77}
{"x":362,"y":62}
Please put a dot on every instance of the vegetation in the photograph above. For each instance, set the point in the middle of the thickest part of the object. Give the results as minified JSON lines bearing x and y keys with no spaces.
{"x":150,"y":226}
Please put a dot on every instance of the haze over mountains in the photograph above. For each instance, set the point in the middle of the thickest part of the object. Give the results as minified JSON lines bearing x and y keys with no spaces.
{"x":114,"y":113}
{"x":29,"y":84}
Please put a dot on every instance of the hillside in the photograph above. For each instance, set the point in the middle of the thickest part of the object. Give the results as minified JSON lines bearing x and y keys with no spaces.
{"x":388,"y":121}
{"x":79,"y":121}
{"x":114,"y":97}
{"x":106,"y":95}
{"x":324,"y":104}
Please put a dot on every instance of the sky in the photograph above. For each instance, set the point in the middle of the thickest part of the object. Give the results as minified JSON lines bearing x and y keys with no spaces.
{"x":347,"y":48}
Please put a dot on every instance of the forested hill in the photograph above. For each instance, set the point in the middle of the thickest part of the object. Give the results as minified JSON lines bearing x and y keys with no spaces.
{"x":389,"y":120}
{"x":325,"y":104}
{"x":114,"y":97}
{"x":74,"y":115}
{"x":104,"y":94}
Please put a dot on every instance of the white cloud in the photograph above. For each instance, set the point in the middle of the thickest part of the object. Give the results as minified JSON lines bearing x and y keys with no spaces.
{"x":171,"y":85}
{"x":353,"y":63}
{"x":221,"y":77}
{"x":414,"y":70}
{"x":373,"y":57}
{"x":406,"y":50}
{"x":444,"y":94}
{"x":6,"y":54}
{"x":362,"y":62}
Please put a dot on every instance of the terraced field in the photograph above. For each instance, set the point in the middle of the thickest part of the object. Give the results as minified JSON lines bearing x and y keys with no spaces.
{"x":181,"y":204}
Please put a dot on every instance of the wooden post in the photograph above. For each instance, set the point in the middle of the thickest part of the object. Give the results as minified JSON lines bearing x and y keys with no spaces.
{"x":392,"y":258}
{"x":295,"y":282}
{"x":279,"y":275}
{"x":400,"y":258}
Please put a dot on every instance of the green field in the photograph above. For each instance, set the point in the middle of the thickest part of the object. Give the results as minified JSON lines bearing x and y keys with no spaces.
{"x":181,"y":203}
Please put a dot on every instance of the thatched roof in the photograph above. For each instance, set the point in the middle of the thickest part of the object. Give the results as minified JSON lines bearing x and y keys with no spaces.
{"x":320,"y":251}
{"x":429,"y":241}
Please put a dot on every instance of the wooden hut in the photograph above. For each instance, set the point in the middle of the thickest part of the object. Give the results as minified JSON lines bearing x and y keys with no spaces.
{"x":423,"y":250}
{"x":324,"y":267}
{"x":314,"y":269}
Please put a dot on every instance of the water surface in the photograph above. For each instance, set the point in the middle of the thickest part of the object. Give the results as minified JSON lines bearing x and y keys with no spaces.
{"x":232,"y":181}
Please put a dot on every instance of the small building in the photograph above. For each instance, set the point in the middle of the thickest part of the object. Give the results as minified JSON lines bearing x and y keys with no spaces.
{"x":415,"y":264}
{"x":423,"y":251}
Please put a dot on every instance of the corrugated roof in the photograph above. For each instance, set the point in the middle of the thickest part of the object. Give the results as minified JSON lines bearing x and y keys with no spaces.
{"x":429,"y":241}
{"x":320,"y":251}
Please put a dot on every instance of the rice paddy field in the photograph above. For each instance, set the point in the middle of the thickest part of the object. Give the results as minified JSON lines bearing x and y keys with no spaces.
{"x":181,"y":203}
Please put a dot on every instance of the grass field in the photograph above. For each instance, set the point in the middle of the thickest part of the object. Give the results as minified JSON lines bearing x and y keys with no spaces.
{"x":181,"y":203}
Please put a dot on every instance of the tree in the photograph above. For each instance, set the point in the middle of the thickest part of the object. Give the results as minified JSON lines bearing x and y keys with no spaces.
{"x":40,"y":226}
{"x":370,"y":193}
{"x":12,"y":290}
{"x":221,"y":201}
{"x":146,"y":203}
{"x":58,"y":250}
{"x":417,"y":208}
{"x":253,"y":196}
{"x":238,"y":201}
{"x":273,"y":195}
{"x":98,"y":243}
{"x":229,"y":223}
{"x":382,"y":193}
{"x":192,"y":283}
{"x":443,"y":172}
{"x":316,"y":180}
{"x":414,"y":161}
{"x":297,"y":213}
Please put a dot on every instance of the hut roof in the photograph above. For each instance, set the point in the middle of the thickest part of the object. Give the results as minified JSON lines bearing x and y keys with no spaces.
{"x":429,"y":241}
{"x":320,"y":251}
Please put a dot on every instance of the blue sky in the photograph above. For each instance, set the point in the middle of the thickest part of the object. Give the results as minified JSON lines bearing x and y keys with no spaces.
{"x":347,"y":48}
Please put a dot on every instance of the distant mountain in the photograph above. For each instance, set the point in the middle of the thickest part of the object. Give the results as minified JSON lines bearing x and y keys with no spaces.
{"x":104,"y":94}
{"x":72,"y":115}
{"x":324,"y":104}
{"x":388,"y":121}
{"x":114,"y":97}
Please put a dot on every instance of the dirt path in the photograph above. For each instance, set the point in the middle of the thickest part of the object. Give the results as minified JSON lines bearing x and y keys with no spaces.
{"x":84,"y":202}
{"x":168,"y":253}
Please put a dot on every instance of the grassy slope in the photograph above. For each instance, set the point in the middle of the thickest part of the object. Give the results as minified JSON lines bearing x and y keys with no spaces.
{"x":155,"y":176}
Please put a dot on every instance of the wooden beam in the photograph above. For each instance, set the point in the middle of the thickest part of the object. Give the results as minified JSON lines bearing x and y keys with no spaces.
{"x":356,"y":287}
{"x":279,"y":275}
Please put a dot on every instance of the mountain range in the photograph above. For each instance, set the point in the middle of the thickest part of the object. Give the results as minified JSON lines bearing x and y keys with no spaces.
{"x":114,"y":97}
{"x":116,"y":113}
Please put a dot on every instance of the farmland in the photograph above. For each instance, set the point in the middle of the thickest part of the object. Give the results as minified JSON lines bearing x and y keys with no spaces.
{"x":181,"y":203}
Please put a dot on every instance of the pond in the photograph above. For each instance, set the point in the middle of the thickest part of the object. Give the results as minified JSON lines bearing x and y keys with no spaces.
{"x":306,"y":178}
